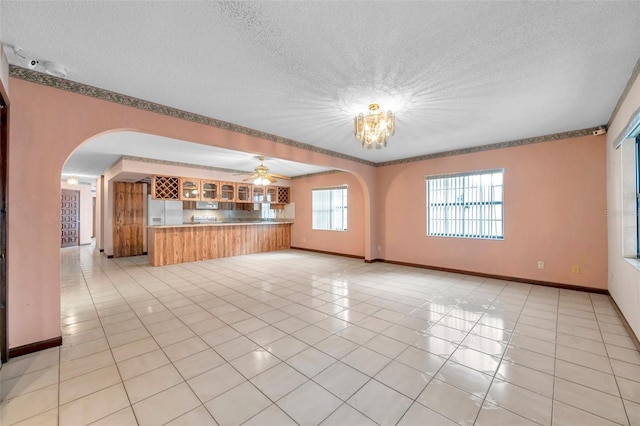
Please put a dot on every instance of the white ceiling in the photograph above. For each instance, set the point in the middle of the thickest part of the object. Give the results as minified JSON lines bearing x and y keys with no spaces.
{"x":457,"y":74}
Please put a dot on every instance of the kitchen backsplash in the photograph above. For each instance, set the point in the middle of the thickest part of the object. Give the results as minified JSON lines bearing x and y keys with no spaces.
{"x":221,"y":215}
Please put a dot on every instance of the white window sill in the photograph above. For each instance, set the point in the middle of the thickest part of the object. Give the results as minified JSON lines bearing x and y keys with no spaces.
{"x":633,"y":262}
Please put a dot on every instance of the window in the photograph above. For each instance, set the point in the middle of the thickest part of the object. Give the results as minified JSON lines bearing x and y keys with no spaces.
{"x":466,"y":205}
{"x":329,"y":208}
{"x":266,"y":212}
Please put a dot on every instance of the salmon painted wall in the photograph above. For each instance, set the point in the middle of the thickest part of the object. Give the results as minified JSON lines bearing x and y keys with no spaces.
{"x":555,"y":203}
{"x":47,"y":125}
{"x":555,"y":195}
{"x":349,"y":242}
{"x":624,"y":273}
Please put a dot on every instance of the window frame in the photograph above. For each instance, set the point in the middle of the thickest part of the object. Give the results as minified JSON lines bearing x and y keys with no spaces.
{"x":344,"y":213}
{"x":465,"y":221}
{"x":638,"y":197}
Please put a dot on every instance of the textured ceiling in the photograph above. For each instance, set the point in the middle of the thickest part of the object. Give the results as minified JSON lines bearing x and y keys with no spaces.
{"x":457,"y":74}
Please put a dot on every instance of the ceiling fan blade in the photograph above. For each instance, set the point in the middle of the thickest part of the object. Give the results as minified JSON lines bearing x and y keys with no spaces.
{"x":279,"y":176}
{"x":271,"y":179}
{"x":252,"y":177}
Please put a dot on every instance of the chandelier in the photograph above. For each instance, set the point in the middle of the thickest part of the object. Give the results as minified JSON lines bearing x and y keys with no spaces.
{"x":374,"y":128}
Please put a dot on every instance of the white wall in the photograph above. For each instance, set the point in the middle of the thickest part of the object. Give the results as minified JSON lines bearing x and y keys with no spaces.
{"x":624,"y":273}
{"x":86,"y":210}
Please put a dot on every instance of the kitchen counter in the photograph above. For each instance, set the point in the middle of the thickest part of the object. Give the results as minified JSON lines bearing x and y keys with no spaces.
{"x":222,"y":223}
{"x":172,"y":244}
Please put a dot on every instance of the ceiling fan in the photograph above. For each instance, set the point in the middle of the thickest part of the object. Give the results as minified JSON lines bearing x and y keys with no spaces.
{"x":262,"y":176}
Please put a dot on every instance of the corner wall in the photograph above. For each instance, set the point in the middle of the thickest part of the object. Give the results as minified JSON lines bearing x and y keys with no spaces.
{"x":350,"y":242}
{"x":624,"y":274}
{"x":554,"y":211}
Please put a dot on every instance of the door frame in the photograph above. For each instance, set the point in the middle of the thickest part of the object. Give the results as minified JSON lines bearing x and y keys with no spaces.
{"x":4,"y":151}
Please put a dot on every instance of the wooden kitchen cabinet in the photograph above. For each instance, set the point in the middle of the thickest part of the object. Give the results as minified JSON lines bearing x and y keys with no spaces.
{"x":165,"y":188}
{"x":228,"y":192}
{"x":209,"y":190}
{"x":272,"y":194}
{"x":168,"y":245}
{"x":243,"y":193}
{"x":258,"y":194}
{"x":189,"y":189}
{"x":283,"y":195}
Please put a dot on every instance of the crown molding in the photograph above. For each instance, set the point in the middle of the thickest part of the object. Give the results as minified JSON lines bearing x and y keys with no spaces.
{"x":493,"y":146}
{"x":118,"y":98}
{"x":625,"y":92}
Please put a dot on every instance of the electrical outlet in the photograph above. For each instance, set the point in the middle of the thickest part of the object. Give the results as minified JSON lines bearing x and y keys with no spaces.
{"x":575,"y":269}
{"x":379,"y":248}
{"x":540,"y":264}
{"x":304,"y":239}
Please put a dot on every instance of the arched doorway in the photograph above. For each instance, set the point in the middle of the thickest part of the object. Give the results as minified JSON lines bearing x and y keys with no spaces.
{"x":43,"y":136}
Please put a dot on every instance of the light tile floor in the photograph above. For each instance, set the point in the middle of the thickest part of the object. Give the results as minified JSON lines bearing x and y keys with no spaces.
{"x":301,"y":338}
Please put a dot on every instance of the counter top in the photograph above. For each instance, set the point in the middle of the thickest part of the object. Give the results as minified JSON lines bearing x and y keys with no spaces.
{"x":258,"y":222}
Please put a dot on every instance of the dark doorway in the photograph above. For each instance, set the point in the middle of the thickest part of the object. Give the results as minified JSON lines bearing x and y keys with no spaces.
{"x":69,"y":218}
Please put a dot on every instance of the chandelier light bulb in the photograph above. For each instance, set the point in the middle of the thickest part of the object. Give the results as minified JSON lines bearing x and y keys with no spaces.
{"x":374,"y":127}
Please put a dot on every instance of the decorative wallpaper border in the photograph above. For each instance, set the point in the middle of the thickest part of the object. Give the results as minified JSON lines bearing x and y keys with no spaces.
{"x":109,"y":96}
{"x":498,"y":145}
{"x":118,"y":98}
{"x":625,"y":92}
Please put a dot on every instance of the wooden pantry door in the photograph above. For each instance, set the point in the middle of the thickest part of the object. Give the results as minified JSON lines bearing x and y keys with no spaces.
{"x":128,"y":219}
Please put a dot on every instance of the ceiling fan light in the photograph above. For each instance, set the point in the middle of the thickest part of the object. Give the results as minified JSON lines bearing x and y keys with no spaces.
{"x":261,"y":181}
{"x":72,"y":180}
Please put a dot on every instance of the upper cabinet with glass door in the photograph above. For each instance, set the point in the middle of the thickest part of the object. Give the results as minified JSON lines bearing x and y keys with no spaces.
{"x":272,"y":194}
{"x":209,"y":190}
{"x":243,"y":192}
{"x":258,"y":194}
{"x":228,"y":192}
{"x":189,"y":189}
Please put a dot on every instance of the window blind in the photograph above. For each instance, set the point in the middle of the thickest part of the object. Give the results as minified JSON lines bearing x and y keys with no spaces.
{"x":329,"y":208}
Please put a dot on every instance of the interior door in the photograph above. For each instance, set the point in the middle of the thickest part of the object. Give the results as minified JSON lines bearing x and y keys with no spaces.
{"x":69,"y":218}
{"x":128,"y":219}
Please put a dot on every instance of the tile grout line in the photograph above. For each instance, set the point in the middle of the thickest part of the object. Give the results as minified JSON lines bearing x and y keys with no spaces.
{"x":615,"y":377}
{"x":227,"y":362}
{"x":555,"y":358}
{"x":110,"y":348}
{"x":513,"y":332}
{"x":384,"y":296}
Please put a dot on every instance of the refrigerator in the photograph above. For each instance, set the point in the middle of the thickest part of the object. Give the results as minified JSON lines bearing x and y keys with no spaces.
{"x":164,"y":212}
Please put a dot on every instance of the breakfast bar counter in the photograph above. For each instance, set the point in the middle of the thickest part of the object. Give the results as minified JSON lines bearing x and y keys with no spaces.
{"x":168,"y":245}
